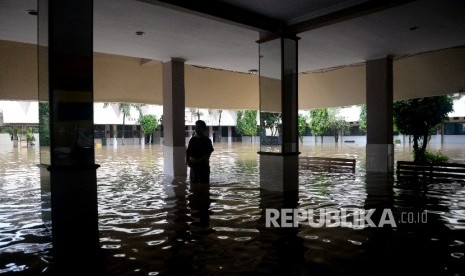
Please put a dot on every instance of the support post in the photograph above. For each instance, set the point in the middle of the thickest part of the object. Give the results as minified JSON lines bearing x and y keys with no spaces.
{"x":68,"y":169}
{"x":379,"y":148}
{"x":279,"y":155}
{"x":174,"y":145}
{"x":229,"y":134}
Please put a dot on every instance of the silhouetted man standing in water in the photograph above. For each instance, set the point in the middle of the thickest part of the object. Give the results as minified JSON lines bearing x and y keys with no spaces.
{"x":198,"y":154}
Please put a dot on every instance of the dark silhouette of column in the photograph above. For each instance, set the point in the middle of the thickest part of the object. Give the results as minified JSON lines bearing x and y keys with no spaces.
{"x":65,"y":57}
{"x":284,"y":249}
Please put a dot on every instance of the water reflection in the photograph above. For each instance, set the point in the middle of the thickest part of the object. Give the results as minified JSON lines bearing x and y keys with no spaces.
{"x":283,"y":250}
{"x":150,"y":225}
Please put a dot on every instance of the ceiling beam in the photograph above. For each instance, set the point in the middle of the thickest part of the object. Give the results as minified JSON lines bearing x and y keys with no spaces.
{"x":271,"y":28}
{"x":223,"y":12}
{"x":358,"y":10}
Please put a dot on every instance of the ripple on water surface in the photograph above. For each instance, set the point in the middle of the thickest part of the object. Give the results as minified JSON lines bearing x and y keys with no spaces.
{"x":152,"y":225}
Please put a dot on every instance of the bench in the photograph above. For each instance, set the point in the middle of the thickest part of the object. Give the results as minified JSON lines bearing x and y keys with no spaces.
{"x":327,"y":164}
{"x":434,"y":172}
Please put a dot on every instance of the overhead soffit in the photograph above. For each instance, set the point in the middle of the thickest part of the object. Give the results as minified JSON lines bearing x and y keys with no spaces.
{"x":203,"y":40}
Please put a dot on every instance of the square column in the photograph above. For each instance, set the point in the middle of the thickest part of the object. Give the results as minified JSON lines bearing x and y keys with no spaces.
{"x":229,"y":134}
{"x":279,"y":155}
{"x":380,"y":148}
{"x":174,"y":145}
{"x":68,"y":169}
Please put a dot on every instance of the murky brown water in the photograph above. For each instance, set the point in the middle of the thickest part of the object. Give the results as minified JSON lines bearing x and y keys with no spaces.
{"x":151,"y":226}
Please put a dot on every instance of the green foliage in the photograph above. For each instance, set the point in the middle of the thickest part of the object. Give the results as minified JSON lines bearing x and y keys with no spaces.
{"x":13,"y":133}
{"x":44,"y":129}
{"x":301,"y":125}
{"x":435,"y":157}
{"x":363,"y":119}
{"x":419,"y":117}
{"x":271,"y":121}
{"x":319,"y":121}
{"x":125,"y":108}
{"x":246,"y":122}
{"x":30,"y":136}
{"x":148,"y":123}
{"x":336,"y":125}
{"x":239,"y":127}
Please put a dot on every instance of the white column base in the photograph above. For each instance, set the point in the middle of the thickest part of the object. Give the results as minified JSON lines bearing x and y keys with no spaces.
{"x":380,"y":158}
{"x":174,"y":161}
{"x":279,"y":173}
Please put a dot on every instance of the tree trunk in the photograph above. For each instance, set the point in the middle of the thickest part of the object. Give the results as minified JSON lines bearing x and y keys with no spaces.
{"x":423,"y":146}
{"x":415,"y":149}
{"x":219,"y":127}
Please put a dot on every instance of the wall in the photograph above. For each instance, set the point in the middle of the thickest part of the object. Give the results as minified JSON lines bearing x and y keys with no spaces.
{"x":123,"y":79}
{"x":432,"y":74}
{"x":337,"y":87}
{"x":219,"y":89}
{"x":18,"y":71}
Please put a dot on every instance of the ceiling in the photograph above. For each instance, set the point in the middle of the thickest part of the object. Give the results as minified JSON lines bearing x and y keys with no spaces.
{"x":333,"y":32}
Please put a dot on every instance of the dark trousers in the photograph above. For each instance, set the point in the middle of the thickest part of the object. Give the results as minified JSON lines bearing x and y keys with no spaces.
{"x":200,"y":174}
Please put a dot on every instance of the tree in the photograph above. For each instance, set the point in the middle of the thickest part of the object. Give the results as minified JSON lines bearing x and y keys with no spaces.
{"x":338,"y":126}
{"x":363,"y":119}
{"x":197,"y":112}
{"x":319,"y":122}
{"x":419,"y":118}
{"x":271,"y":121}
{"x":220,"y":112}
{"x":217,"y":113}
{"x":148,"y":124}
{"x":29,"y":133}
{"x":246,"y":123}
{"x":44,"y":130}
{"x":301,"y":126}
{"x":125,"y":108}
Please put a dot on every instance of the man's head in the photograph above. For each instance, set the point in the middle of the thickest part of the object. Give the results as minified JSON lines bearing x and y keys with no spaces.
{"x":200,"y":127}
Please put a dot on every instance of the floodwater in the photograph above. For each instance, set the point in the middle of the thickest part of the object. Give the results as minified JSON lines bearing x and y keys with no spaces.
{"x":150,"y":225}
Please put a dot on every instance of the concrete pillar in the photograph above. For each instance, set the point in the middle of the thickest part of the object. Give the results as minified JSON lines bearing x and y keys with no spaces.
{"x":15,"y":137}
{"x":68,"y":169}
{"x":210,"y":132}
{"x":135,"y":135}
{"x":229,"y":134}
{"x":107,"y":131}
{"x":115,"y":135}
{"x":190,"y":132}
{"x":219,"y":134}
{"x":174,"y":145}
{"x":279,"y":160}
{"x":379,"y":87}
